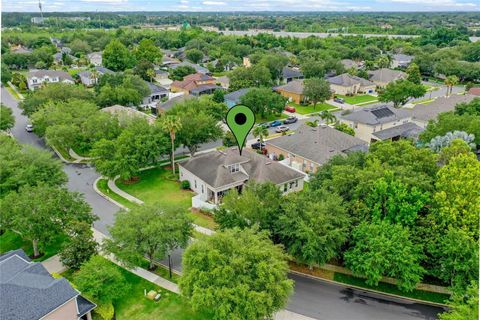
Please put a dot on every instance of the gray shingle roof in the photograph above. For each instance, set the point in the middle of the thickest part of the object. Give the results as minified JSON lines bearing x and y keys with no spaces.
{"x":62,"y":75}
{"x":377,"y":115}
{"x":103,"y":70}
{"x":385,"y":75}
{"x":289,"y":73}
{"x":156,"y":89}
{"x":167,"y":105}
{"x":212,"y":168}
{"x":404,"y":130}
{"x":403,"y":57}
{"x":235,"y":96}
{"x":205,"y":87}
{"x":348,"y":63}
{"x":318,"y":144}
{"x":348,"y":80}
{"x":294,"y":86}
{"x":430,"y":111}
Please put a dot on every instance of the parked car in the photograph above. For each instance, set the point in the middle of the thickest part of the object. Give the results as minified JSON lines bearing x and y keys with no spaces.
{"x":339,"y":100}
{"x":29,"y":127}
{"x":290,"y":109}
{"x":264,"y":125}
{"x":282,"y":129}
{"x":258,"y":145}
{"x":275,"y":123}
{"x":290,"y":120}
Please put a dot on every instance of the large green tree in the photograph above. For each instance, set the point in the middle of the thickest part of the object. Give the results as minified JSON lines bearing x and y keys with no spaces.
{"x":255,"y":76}
{"x":316,"y":90}
{"x":80,"y":247}
{"x":147,"y":50}
{"x":236,"y":274}
{"x":400,"y":91}
{"x":463,"y":305}
{"x":116,"y":56}
{"x":7,"y":120}
{"x":147,"y":231}
{"x":413,"y":72}
{"x":263,"y":101}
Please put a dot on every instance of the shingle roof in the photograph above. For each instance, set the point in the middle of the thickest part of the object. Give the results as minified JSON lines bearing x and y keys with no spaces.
{"x":348,"y":63}
{"x":318,"y":144}
{"x":289,"y":73}
{"x":348,"y":80}
{"x":62,"y":75}
{"x":404,"y":130}
{"x":28,"y":291}
{"x":403,"y":57}
{"x":385,"y":75}
{"x":235,"y":96}
{"x":376,"y":115}
{"x":212,"y":168}
{"x":197,"y":67}
{"x":430,"y":111}
{"x":156,"y":89}
{"x":167,"y":105}
{"x":104,"y":70}
{"x":294,"y":86}
{"x":205,"y":87}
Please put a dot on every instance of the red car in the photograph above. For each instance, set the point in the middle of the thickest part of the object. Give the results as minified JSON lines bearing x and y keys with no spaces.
{"x":290,"y":109}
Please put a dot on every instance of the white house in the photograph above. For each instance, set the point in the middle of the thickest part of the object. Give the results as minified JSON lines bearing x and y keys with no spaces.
{"x":37,"y":78}
{"x":95,"y":58}
{"x":346,"y":84}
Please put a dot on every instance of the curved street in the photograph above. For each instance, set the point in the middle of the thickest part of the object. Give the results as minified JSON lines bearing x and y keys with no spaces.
{"x":314,"y":298}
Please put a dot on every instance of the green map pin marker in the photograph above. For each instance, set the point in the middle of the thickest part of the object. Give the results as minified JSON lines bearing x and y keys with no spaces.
{"x":240,"y":119}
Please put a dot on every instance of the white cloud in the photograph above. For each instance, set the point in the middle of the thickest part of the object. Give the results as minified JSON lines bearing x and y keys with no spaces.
{"x":214,"y":3}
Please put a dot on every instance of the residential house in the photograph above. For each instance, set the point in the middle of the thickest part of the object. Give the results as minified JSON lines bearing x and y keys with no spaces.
{"x":309,"y":148}
{"x":19,"y":49}
{"x":169,"y":61}
{"x":293,"y":90}
{"x":37,"y":78}
{"x":346,"y":84}
{"x":381,"y":123}
{"x":56,"y":42}
{"x":89,"y":79}
{"x":423,"y":113}
{"x":382,"y":77}
{"x":224,"y":82}
{"x":58,"y":58}
{"x":95,"y":58}
{"x":213,"y":174}
{"x":289,"y":74}
{"x":124,"y":114}
{"x":170,"y":103}
{"x":351,"y":64}
{"x":233,"y":98}
{"x":28,"y":292}
{"x":156,"y":94}
{"x":401,"y":60}
{"x":194,"y":81}
{"x":198,"y":68}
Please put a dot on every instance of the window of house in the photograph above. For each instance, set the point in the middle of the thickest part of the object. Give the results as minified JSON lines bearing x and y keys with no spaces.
{"x":195,"y":183}
{"x":292,"y":184}
{"x":202,"y":188}
{"x":296,"y":183}
{"x":285,"y":187}
{"x":234,"y":168}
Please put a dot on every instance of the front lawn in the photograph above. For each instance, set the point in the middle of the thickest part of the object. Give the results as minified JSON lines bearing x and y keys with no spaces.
{"x":269,"y":118}
{"x":135,"y":306}
{"x":363,"y":99}
{"x":11,"y":241}
{"x":310,"y":109}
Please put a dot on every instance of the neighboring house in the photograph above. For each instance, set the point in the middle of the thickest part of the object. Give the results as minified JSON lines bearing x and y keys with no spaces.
{"x":474,"y":91}
{"x":293,"y":90}
{"x":193,"y":81}
{"x":346,"y":84}
{"x":57,"y":57}
{"x":37,"y":78}
{"x":102,"y":70}
{"x":167,"y":105}
{"x":95,"y":58}
{"x":156,"y":93}
{"x":56,"y":42}
{"x":214,"y":173}
{"x":309,"y":148}
{"x":89,"y":79}
{"x":66,"y":50}
{"x":289,"y":74}
{"x":381,"y":123}
{"x":349,"y":64}
{"x":169,"y":61}
{"x":401,"y":60}
{"x":160,"y":75}
{"x":20,"y":49}
{"x":224,"y":82}
{"x":422,"y":113}
{"x":126,"y":113}
{"x":233,"y":98}
{"x":29,"y":292}
{"x":205,"y":89}
{"x":382,"y":77}
{"x":198,"y":68}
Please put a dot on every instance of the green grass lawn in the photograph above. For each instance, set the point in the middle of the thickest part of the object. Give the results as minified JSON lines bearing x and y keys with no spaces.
{"x":12,"y":241}
{"x":156,"y":186}
{"x":364,"y":98}
{"x":269,"y":118}
{"x":102,"y":185}
{"x":309,"y":109}
{"x":135,"y":306}
{"x":390,"y":288}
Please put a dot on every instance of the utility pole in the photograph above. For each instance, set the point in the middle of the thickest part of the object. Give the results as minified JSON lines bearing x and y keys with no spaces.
{"x":40,"y":7}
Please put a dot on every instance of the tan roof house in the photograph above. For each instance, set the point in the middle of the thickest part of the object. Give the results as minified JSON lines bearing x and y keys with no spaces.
{"x":194,"y":82}
{"x":382,"y":77}
{"x":309,"y":148}
{"x":293,"y":90}
{"x":346,"y":84}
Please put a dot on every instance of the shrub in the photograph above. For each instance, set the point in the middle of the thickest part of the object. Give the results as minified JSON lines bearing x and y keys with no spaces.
{"x":185,"y":185}
{"x":281,"y":157}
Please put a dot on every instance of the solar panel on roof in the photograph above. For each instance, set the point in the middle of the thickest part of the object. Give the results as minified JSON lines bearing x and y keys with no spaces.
{"x":382,"y":113}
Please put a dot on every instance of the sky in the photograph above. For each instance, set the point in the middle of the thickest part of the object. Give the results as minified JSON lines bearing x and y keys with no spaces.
{"x":241,"y":5}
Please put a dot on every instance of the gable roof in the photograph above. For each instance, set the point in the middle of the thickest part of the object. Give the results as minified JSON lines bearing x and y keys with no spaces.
{"x":235,"y":96}
{"x":189,"y":82}
{"x":403,"y":57}
{"x":318,"y":144}
{"x":156,"y":89}
{"x":212,"y":168}
{"x":289,"y":73}
{"x":425,"y":112}
{"x":103,"y":70}
{"x":29,"y":292}
{"x":405,"y":130}
{"x":294,"y":86}
{"x":167,"y":105}
{"x":349,"y":63}
{"x":376,"y":115}
{"x":385,"y":75}
{"x":347,"y":80}
{"x":62,"y":75}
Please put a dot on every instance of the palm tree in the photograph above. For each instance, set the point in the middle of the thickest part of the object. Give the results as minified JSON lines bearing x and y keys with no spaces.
{"x":94,"y":75}
{"x":328,"y":116}
{"x":171,"y":124}
{"x":151,"y":74}
{"x":261,"y":132}
{"x":313,"y":123}
{"x":450,"y":81}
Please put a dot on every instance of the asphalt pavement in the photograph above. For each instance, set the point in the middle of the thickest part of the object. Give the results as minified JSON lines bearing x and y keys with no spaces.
{"x":317,"y":299}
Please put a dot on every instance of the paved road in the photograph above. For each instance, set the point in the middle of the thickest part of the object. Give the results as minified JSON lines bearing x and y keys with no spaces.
{"x":313,"y":298}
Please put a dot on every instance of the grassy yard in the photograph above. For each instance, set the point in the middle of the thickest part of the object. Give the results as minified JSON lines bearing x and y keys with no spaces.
{"x":12,"y":92}
{"x":157,"y":186}
{"x":269,"y":118}
{"x":363,"y":99}
{"x":12,"y":241}
{"x":390,"y":288}
{"x":102,"y":185}
{"x":309,"y":109}
{"x":135,"y":306}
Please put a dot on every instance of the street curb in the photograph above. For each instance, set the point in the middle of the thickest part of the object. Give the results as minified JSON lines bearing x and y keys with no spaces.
{"x":100,"y":193}
{"x":60,"y":155}
{"x":366,"y":289}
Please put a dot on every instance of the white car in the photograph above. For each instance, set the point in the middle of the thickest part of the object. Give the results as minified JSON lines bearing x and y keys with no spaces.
{"x":282,"y":129}
{"x":29,"y":127}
